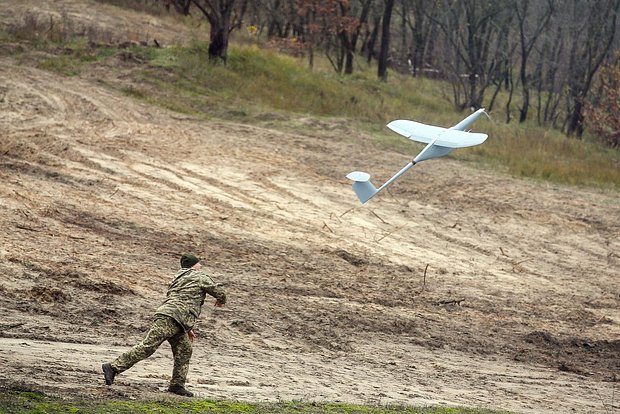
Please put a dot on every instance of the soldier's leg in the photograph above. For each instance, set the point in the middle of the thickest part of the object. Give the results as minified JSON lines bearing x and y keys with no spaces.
{"x":162,"y":329}
{"x":182,"y":351}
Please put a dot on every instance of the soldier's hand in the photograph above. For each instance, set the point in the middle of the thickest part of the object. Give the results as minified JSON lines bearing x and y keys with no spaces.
{"x":191,"y":335}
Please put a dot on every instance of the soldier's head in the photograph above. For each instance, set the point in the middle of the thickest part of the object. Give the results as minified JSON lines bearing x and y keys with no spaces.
{"x":189,"y":260}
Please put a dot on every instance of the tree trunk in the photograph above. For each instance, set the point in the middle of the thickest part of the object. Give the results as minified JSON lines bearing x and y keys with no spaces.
{"x":475,"y":42}
{"x":575,"y":123}
{"x":218,"y":43}
{"x":350,"y":43}
{"x":510,"y":94}
{"x":219,"y":14}
{"x":421,"y":32}
{"x":385,"y":40}
{"x":348,"y":62}
{"x":371,"y":40}
{"x":523,"y":13}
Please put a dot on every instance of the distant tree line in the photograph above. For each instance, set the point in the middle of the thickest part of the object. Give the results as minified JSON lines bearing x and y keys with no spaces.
{"x":544,"y":55}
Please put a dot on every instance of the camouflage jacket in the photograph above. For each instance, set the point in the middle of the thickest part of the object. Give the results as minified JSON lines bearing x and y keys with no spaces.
{"x":186,"y":294}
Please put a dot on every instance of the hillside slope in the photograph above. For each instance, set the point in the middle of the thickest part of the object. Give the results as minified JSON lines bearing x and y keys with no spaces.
{"x":519,"y":307}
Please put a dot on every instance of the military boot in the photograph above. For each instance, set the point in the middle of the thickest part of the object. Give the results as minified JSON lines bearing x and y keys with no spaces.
{"x":177,"y":389}
{"x":108,"y":373}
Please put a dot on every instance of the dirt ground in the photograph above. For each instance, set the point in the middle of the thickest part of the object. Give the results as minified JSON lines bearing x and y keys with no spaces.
{"x":461,"y":286}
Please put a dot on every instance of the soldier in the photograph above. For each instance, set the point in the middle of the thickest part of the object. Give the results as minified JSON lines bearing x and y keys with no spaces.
{"x":173,"y":323}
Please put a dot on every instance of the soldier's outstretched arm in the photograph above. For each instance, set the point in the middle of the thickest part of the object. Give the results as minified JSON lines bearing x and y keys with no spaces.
{"x":215,"y":290}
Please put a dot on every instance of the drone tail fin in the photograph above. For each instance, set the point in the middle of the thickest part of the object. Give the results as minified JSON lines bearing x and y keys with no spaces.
{"x":364,"y":189}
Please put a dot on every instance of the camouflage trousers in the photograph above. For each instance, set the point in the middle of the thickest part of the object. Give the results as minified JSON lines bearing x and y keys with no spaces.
{"x":164,"y":328}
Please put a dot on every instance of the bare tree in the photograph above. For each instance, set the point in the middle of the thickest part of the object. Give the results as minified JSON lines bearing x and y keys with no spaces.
{"x":419,"y":16}
{"x":471,"y":50}
{"x":223,"y":17}
{"x":372,"y":33}
{"x":538,"y":18}
{"x":349,"y":37}
{"x":385,"y":39}
{"x":548,"y":74}
{"x":502,"y":70}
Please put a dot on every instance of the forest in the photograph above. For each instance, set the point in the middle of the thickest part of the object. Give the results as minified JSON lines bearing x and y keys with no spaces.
{"x":555,"y":60}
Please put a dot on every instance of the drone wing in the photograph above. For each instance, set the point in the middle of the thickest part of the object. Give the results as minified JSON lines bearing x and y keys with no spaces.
{"x":442,"y":137}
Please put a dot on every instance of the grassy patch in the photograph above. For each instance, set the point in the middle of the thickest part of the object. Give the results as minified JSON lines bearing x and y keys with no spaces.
{"x":256,"y":80}
{"x":70,"y":57}
{"x":70,"y":61}
{"x":547,"y":155}
{"x":35,"y":403}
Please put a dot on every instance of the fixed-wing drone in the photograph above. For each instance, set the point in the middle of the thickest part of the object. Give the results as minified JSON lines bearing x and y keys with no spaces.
{"x":440,"y":141}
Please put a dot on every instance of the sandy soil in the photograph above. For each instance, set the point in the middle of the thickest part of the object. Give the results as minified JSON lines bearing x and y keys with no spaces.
{"x":460,"y":286}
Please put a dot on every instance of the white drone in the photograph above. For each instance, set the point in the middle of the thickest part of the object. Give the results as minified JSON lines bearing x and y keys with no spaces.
{"x":440,"y":142}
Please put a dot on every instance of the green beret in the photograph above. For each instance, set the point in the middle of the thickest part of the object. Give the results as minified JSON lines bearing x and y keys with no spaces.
{"x":188,"y":260}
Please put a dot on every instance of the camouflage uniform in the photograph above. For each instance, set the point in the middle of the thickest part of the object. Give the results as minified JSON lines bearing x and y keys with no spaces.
{"x":173,"y":320}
